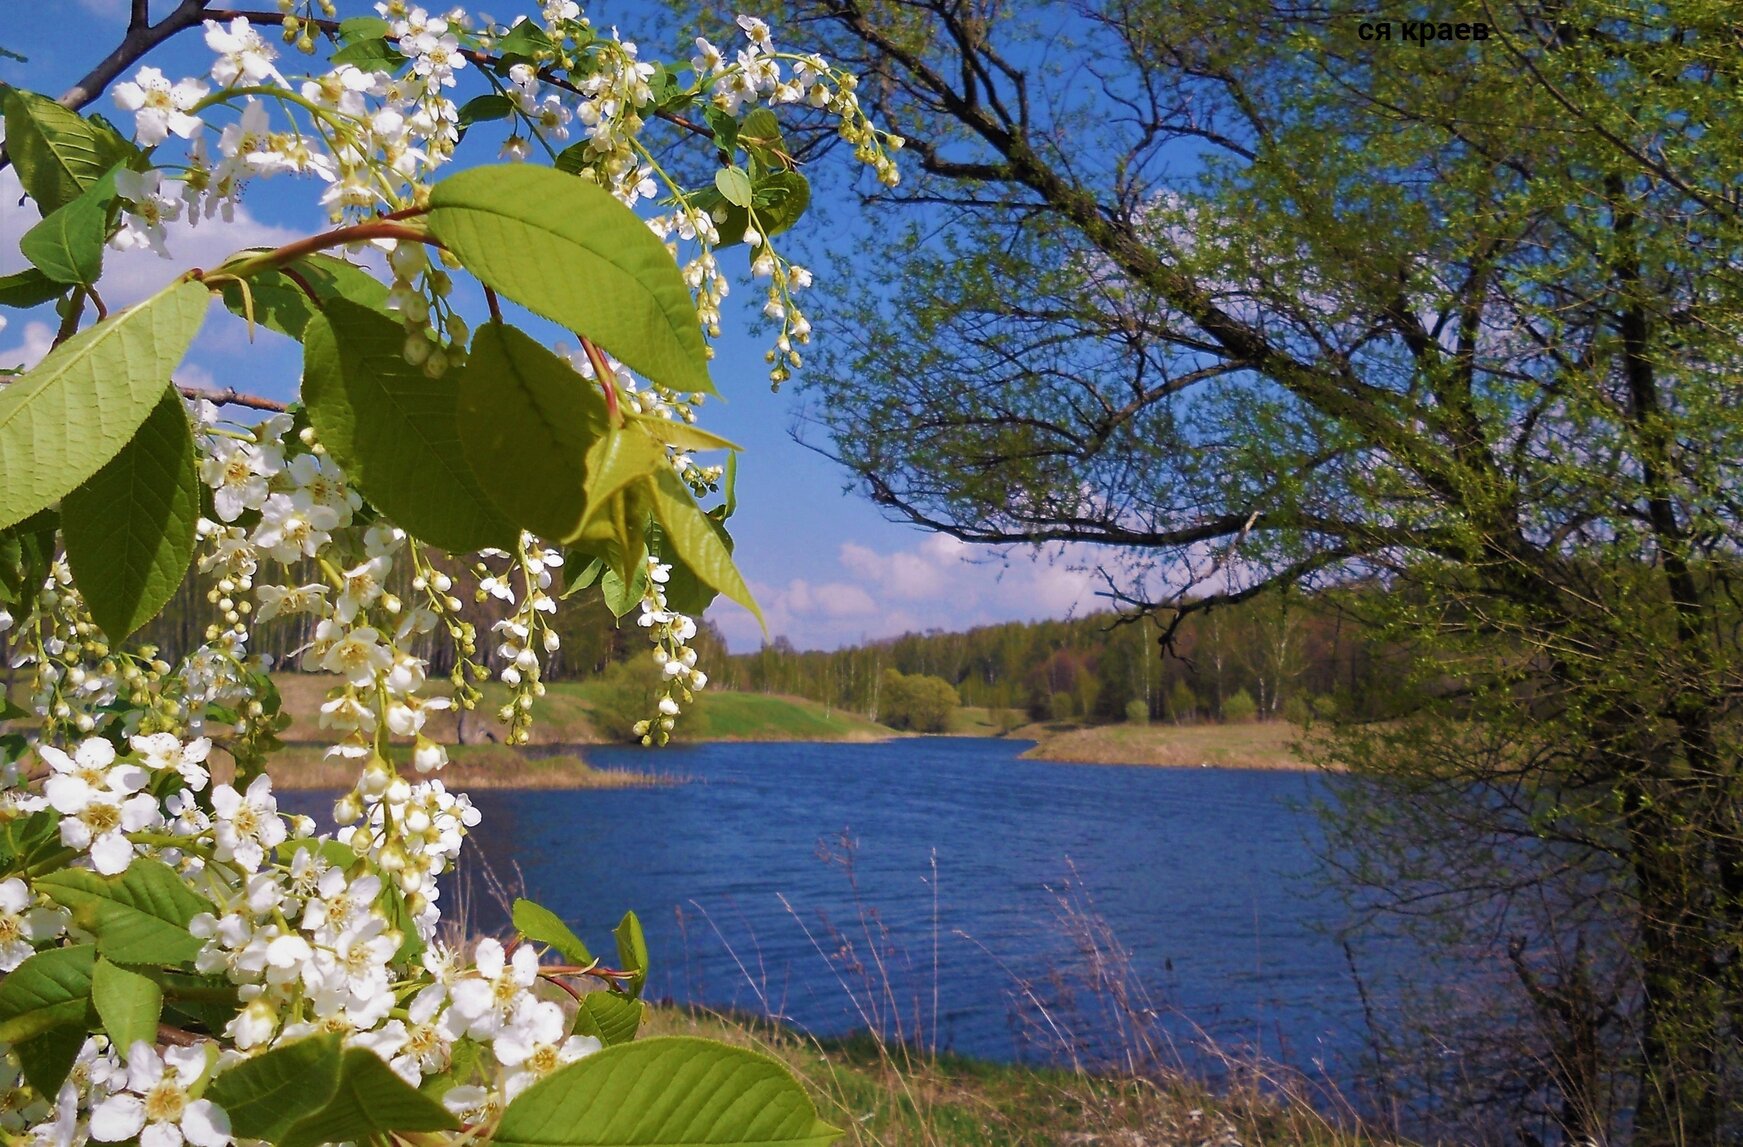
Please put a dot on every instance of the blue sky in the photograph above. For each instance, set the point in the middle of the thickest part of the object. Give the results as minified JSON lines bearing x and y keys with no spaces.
{"x":825,"y":565}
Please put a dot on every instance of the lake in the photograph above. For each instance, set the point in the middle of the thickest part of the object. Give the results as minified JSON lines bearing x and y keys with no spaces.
{"x":1200,"y":874}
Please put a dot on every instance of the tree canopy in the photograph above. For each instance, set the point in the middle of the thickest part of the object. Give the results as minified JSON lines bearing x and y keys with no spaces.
{"x":1257,"y":300}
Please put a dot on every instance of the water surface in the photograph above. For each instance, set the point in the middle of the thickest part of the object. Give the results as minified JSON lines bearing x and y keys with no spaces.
{"x":1201,"y":874}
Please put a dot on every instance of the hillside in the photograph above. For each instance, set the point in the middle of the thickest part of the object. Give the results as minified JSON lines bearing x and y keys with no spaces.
{"x":564,"y":716}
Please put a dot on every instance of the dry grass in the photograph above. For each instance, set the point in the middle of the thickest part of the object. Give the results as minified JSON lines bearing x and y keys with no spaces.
{"x":884,"y":1096}
{"x":1256,"y":745}
{"x":470,"y":767}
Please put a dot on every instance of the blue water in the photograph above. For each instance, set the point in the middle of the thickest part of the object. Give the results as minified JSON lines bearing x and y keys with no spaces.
{"x":1201,"y":874}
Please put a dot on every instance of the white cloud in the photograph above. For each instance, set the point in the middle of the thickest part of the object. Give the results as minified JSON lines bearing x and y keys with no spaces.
{"x":38,"y":337}
{"x":940,"y":582}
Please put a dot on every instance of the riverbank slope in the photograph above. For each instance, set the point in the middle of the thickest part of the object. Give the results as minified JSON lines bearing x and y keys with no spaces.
{"x":1251,"y":745}
{"x":566,"y":715}
{"x":885,"y":1096}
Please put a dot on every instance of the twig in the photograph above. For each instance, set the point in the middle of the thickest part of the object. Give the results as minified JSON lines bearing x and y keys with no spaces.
{"x":70,"y":321}
{"x":230,"y":396}
{"x":607,"y":380}
{"x":140,"y":39}
{"x":495,"y":305}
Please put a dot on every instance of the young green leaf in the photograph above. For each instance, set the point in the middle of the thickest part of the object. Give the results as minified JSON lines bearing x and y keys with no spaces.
{"x":128,"y":1003}
{"x":610,"y":1017}
{"x":57,"y":152}
{"x":619,"y":459}
{"x":394,"y":430}
{"x":543,"y":926}
{"x":49,"y":990}
{"x":733,"y":183}
{"x":138,"y":917}
{"x":632,"y":951}
{"x":681,"y":434}
{"x":693,"y":538}
{"x":526,"y":422}
{"x":74,"y":411}
{"x":267,"y":1095}
{"x":621,"y":593}
{"x":675,"y":1091}
{"x":67,"y":245}
{"x":129,"y":530}
{"x":565,"y":249}
{"x":480,"y":109}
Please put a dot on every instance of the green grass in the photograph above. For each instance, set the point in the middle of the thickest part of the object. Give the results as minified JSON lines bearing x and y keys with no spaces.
{"x":884,"y":1096}
{"x":979,"y":721}
{"x":728,"y":716}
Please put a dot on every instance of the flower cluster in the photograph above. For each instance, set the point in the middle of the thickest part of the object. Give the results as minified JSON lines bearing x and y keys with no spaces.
{"x":146,"y":778}
{"x":332,"y":934}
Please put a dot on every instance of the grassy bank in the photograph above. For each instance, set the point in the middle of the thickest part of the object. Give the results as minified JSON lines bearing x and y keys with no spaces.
{"x":886,"y":1097}
{"x":565,"y":716}
{"x":470,"y":767}
{"x":729,"y":716}
{"x":1254,"y":745}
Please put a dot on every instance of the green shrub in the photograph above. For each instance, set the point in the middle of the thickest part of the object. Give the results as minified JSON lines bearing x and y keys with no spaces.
{"x":1240,"y":707}
{"x":1182,"y":702}
{"x":628,"y":692}
{"x":1138,"y":711}
{"x":916,"y":701}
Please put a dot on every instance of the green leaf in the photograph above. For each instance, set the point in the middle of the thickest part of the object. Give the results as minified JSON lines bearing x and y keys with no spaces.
{"x":62,"y":421}
{"x":527,"y":420}
{"x":781,"y":199}
{"x":480,"y":109}
{"x":10,"y":711}
{"x":724,"y":125}
{"x":675,"y":1091}
{"x":610,"y":1017}
{"x":355,"y":28}
{"x":734,"y":185}
{"x":267,"y":1095}
{"x":565,"y":249}
{"x":129,"y":530}
{"x":25,"y":553}
{"x":619,"y":459}
{"x":128,"y":1003}
{"x":623,"y":594}
{"x":138,"y":917}
{"x":760,"y":134}
{"x":281,"y":304}
{"x":57,"y":152}
{"x":694,"y":540}
{"x":685,"y":592}
{"x":632,"y":951}
{"x":543,"y":926}
{"x":524,"y":39}
{"x":681,"y":434}
{"x":67,"y":245}
{"x":48,"y":1059}
{"x":49,"y":990}
{"x":369,"y":55}
{"x":28,"y":288}
{"x":369,"y":1101}
{"x":395,"y":431}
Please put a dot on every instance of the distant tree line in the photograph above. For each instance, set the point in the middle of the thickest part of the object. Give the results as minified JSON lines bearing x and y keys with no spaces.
{"x":1270,"y":657}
